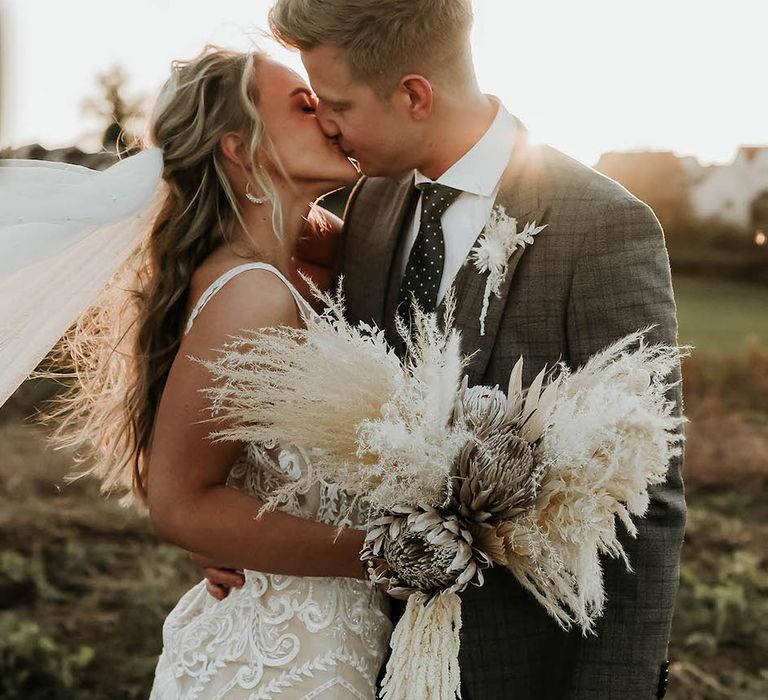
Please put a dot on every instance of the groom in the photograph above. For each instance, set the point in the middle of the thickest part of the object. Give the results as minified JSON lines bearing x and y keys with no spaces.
{"x":397,"y":91}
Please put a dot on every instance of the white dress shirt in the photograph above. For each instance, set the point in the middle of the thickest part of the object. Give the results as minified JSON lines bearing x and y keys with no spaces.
{"x":478,"y":175}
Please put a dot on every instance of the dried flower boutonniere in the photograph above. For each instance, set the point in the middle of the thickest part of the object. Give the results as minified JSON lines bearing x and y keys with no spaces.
{"x":494,"y":249}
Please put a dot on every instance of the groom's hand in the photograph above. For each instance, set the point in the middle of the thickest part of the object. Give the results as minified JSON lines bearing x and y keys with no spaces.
{"x":218,"y":579}
{"x":319,"y":242}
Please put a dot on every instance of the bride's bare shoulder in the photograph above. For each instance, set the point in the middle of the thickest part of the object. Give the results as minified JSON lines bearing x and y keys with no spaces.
{"x":211,"y":269}
{"x":250,"y":300}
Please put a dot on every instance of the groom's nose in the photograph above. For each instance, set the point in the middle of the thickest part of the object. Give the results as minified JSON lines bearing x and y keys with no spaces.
{"x":327,"y":125}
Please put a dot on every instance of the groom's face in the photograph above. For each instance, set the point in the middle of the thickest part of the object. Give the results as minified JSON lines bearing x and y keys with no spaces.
{"x":377,"y":131}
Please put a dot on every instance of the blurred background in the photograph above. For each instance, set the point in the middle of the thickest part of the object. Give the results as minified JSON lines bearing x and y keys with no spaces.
{"x":670,"y":99}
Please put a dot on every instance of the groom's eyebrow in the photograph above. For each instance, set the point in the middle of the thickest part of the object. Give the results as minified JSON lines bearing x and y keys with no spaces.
{"x":335,"y":104}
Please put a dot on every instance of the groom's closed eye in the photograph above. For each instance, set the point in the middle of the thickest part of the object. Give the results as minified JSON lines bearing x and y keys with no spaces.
{"x":334,"y":105}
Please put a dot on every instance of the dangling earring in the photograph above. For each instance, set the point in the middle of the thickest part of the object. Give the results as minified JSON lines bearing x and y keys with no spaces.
{"x":252,"y":198}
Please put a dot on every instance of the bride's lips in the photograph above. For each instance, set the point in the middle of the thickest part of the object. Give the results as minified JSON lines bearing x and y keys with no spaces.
{"x":347,"y":154}
{"x":337,"y":146}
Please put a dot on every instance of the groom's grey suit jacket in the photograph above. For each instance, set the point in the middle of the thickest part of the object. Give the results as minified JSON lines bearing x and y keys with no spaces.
{"x":597,"y":272}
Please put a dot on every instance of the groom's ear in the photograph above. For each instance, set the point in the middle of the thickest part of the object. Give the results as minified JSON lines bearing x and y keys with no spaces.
{"x":418,"y":91}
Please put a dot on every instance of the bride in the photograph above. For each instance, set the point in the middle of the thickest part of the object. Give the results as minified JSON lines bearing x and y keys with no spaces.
{"x":242,"y":159}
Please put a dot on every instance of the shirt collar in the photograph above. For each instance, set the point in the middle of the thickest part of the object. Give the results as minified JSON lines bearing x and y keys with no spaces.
{"x":480,"y":169}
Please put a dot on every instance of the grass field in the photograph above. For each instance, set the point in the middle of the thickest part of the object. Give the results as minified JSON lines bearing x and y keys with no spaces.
{"x":720,"y":317}
{"x":85,"y":585}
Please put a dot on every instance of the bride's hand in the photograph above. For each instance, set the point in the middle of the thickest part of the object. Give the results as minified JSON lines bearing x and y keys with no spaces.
{"x":218,"y":579}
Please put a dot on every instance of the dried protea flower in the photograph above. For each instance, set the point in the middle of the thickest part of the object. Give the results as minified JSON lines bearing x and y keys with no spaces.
{"x":530,"y":410}
{"x":483,"y":409}
{"x":496,"y":479}
{"x":426,"y":550}
{"x":490,"y":539}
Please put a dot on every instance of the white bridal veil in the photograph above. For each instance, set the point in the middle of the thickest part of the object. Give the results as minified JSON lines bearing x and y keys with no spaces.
{"x":64,"y":232}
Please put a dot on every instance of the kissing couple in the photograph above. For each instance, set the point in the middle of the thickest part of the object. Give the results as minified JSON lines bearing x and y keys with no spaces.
{"x":243,"y":148}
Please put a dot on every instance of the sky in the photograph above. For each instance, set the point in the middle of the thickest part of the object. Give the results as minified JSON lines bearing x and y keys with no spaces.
{"x":587,"y":76}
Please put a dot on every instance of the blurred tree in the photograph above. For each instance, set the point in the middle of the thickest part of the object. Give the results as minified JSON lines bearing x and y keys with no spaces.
{"x":119,"y":111}
{"x":657,"y":178}
{"x":760,"y":213}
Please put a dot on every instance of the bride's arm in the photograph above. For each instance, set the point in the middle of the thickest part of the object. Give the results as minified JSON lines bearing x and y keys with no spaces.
{"x":189,"y":502}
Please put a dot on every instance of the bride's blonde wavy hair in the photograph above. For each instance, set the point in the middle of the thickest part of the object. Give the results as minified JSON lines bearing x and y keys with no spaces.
{"x":119,"y":353}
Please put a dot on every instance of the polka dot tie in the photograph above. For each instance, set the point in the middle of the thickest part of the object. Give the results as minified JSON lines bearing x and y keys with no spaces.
{"x":425,"y":263}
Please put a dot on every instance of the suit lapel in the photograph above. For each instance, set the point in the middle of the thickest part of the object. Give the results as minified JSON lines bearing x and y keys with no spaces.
{"x":518,"y":194}
{"x":381,"y":244}
{"x":398,"y":236}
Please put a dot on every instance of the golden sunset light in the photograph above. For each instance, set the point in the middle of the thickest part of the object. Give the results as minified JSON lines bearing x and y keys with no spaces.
{"x":426,"y":359}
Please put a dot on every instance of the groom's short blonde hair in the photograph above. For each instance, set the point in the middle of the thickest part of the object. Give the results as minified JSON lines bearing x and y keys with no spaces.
{"x":383,"y":39}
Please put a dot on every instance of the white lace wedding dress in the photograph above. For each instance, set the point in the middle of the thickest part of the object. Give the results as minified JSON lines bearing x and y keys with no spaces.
{"x":283,"y":637}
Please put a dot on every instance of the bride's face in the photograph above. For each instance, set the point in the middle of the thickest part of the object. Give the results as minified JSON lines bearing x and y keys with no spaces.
{"x":287,"y":107}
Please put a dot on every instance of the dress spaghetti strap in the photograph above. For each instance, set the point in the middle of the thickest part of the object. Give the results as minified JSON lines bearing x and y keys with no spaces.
{"x":304,"y":307}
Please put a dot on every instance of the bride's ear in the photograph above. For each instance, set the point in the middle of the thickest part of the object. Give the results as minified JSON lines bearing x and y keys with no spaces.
{"x":418,"y":92}
{"x":234,"y":150}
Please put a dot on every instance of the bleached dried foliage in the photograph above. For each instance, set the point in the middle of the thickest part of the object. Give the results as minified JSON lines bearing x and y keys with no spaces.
{"x":410,"y":449}
{"x":533,"y":480}
{"x":491,"y":255}
{"x":370,"y":424}
{"x":612,"y":433}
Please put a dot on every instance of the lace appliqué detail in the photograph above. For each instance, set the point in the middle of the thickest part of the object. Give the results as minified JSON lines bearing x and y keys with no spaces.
{"x":324,"y":502}
{"x":286,"y":636}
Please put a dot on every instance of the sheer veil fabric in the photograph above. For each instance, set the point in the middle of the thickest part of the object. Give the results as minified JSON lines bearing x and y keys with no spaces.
{"x":65,"y":230}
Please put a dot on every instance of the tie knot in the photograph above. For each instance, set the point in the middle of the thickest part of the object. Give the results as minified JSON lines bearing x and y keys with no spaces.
{"x":436,"y":199}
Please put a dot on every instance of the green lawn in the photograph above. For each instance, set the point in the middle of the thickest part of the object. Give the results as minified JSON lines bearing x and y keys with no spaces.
{"x":718,"y":316}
